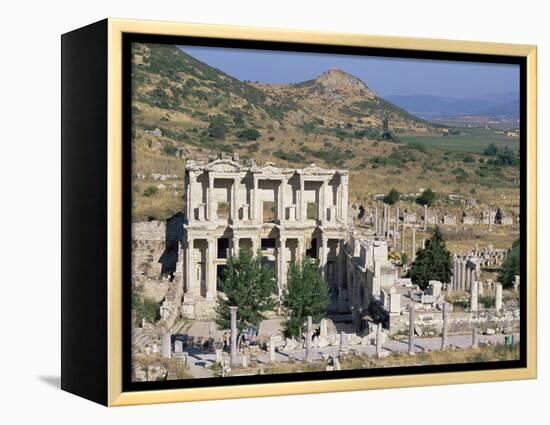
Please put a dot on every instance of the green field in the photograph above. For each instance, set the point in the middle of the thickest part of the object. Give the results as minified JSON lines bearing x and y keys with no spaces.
{"x":469,"y":140}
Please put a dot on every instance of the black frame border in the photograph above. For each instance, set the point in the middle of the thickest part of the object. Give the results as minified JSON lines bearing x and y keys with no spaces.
{"x":129,"y":38}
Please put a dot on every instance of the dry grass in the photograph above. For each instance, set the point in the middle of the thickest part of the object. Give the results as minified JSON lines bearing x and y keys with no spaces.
{"x":174,"y":368}
{"x":485,"y":353}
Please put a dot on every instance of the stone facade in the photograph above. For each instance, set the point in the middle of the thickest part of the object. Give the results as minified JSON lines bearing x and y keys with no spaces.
{"x":370,"y":276}
{"x":283,"y":213}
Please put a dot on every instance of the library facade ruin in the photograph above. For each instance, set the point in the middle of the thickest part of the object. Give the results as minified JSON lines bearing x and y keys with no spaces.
{"x":282,"y":213}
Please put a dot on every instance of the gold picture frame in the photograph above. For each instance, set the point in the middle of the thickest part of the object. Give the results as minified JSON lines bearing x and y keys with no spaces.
{"x":115,"y":29}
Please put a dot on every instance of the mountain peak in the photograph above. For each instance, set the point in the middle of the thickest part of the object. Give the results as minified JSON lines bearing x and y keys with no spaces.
{"x":334,"y":79}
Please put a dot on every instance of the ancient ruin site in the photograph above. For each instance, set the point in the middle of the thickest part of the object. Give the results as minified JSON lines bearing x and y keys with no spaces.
{"x":314,"y":226}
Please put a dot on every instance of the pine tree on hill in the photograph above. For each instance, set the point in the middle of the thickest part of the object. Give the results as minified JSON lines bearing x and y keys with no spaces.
{"x":432,"y":262}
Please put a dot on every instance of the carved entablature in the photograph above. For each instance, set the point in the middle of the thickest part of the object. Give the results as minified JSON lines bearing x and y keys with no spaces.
{"x":313,"y":169}
{"x":224,"y":166}
{"x":267,"y":168}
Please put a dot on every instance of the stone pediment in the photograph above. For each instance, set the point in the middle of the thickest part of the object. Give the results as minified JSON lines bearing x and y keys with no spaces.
{"x":223,"y":166}
{"x":268,"y":168}
{"x":313,"y":169}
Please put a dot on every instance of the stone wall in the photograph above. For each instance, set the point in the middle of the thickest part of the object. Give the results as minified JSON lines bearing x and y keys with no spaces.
{"x":432,"y":321}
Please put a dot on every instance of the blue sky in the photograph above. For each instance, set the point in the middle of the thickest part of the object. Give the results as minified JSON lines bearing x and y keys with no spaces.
{"x":386,"y":76}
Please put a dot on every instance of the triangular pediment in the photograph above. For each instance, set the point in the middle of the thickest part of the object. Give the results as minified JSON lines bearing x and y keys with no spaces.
{"x":223,"y":166}
{"x":268,"y":168}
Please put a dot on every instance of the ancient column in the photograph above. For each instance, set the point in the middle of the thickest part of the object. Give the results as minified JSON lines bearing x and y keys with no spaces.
{"x":344,"y":181}
{"x":474,"y":338}
{"x":413,"y":244}
{"x":324,"y":245}
{"x":166,"y":345}
{"x":309,"y":354}
{"x":498,"y":296}
{"x":411,"y":329}
{"x":210,"y":277}
{"x":301,"y":207}
{"x":462,"y":275}
{"x":425,"y":217}
{"x":395,"y":226}
{"x":403,"y":238}
{"x":341,"y":263}
{"x":378,"y":339}
{"x":190,"y":206}
{"x":190,"y":264}
{"x":385,"y":222}
{"x":233,"y":352}
{"x":343,"y":341}
{"x":255,"y":245}
{"x":324,"y":203}
{"x":254,"y":199}
{"x":271,"y":349}
{"x":234,"y":206}
{"x":376,"y":227}
{"x":282,"y":265}
{"x":210,"y":197}
{"x":301,"y":252}
{"x":235,"y":243}
{"x":281,"y":209}
{"x":445,"y":330}
{"x":455,"y":274}
{"x":473,"y":295}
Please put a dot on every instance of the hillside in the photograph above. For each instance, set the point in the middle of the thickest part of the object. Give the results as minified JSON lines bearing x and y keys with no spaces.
{"x":185,"y":108}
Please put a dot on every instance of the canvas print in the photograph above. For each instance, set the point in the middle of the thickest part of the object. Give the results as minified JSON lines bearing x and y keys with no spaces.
{"x":299,"y":212}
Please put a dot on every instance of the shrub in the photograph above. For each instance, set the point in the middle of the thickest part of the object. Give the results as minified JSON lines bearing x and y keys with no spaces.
{"x":217,"y":128}
{"x":417,"y":146}
{"x":426,"y":198}
{"x":169,"y":149}
{"x":249,"y":134}
{"x":146,"y":308}
{"x":491,"y":150}
{"x":150,"y":191}
{"x":392,"y":197}
{"x":468,"y":158}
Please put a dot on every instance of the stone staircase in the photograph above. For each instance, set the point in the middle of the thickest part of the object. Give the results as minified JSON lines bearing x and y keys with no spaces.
{"x":204,"y":310}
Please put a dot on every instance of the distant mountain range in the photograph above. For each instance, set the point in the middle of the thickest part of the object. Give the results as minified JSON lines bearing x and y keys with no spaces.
{"x":492,"y":105}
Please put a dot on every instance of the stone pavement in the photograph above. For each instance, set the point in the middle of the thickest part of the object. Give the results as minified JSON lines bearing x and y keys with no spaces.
{"x":199,"y":360}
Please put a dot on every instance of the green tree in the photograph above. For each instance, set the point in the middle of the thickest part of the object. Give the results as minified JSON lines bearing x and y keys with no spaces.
{"x":507,"y":156}
{"x":491,"y":150}
{"x":248,"y":285}
{"x":306,"y":294}
{"x":392,"y":197}
{"x":217,"y":127}
{"x":426,"y":198}
{"x":432,"y":262}
{"x":249,"y":135}
{"x":510,"y":266}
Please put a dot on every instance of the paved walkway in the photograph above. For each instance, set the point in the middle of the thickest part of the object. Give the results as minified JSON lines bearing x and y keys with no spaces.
{"x":199,"y":359}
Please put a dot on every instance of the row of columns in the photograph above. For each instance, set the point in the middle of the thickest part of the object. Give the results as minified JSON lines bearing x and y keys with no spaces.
{"x":301,"y":213}
{"x":193,"y":286}
{"x":382,"y":227}
{"x":464,"y":273}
